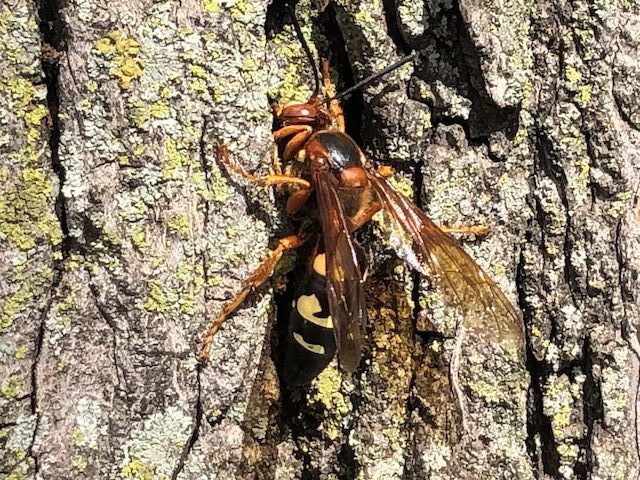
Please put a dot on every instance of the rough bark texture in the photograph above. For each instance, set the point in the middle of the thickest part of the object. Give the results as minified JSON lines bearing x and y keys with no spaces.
{"x":121,"y":234}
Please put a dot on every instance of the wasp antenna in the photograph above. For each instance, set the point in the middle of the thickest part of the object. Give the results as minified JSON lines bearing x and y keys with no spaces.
{"x":377,"y":75}
{"x":307,"y":50}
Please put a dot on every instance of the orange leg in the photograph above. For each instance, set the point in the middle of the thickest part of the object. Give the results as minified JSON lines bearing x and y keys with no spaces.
{"x":334,"y":105}
{"x":285,"y":132}
{"x":257,"y":278}
{"x":480,"y":230}
{"x":291,"y":130}
{"x":294,"y":146}
{"x":297,"y":200}
{"x":277,"y":165}
{"x":223,"y":156}
{"x":300,"y":135}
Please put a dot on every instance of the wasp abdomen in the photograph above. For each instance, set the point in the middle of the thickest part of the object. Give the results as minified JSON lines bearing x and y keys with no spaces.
{"x":310,"y":339}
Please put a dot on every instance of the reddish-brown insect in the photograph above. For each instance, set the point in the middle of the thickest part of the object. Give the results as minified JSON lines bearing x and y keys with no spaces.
{"x":329,"y":311}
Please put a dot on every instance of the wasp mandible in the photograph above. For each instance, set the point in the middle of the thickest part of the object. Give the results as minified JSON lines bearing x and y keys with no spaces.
{"x":345,"y":192}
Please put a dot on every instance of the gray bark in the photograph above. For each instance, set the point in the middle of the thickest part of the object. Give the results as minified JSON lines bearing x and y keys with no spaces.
{"x":121,"y":235}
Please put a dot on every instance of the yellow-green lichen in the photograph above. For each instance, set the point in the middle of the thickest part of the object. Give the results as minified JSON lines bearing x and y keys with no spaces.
{"x":78,"y":436}
{"x":186,"y":302}
{"x":68,"y":302}
{"x":26,"y":211}
{"x":21,"y":352}
{"x":12,"y":386}
{"x":176,"y":156}
{"x":158,"y":300}
{"x":14,"y":304}
{"x":138,"y":470}
{"x":29,"y":287}
{"x":211,"y":6}
{"x":220,"y":187}
{"x":241,"y":9}
{"x":22,"y":98}
{"x":139,"y":149}
{"x":21,"y":471}
{"x":328,"y":385}
{"x":181,"y":224}
{"x":79,"y":463}
{"x":159,"y":110}
{"x":123,"y":53}
{"x":138,"y":237}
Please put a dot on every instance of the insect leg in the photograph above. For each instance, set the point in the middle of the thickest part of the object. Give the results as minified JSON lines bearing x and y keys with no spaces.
{"x":260,"y":275}
{"x":276,"y":163}
{"x":480,"y":230}
{"x":296,"y":200}
{"x":223,"y":156}
{"x":334,"y":106}
{"x":300,"y":135}
{"x":291,"y":130}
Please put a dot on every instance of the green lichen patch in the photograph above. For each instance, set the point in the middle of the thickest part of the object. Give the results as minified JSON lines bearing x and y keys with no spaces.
{"x":28,"y":288}
{"x":176,"y":157}
{"x":211,"y":6}
{"x":160,"y":298}
{"x":26,"y":213}
{"x":138,"y":237}
{"x":181,"y":224}
{"x":294,"y":82}
{"x":123,"y":54}
{"x":12,"y":386}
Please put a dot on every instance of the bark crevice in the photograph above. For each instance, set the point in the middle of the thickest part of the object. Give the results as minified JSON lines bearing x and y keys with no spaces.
{"x":593,"y":410}
{"x":52,"y":32}
{"x":539,"y":429}
{"x":195,"y":432}
{"x":111,"y":323}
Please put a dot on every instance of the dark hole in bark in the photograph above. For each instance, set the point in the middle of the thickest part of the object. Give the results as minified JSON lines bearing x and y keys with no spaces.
{"x":53,"y":31}
{"x":540,"y":441}
{"x":593,"y":410}
{"x":391,"y":18}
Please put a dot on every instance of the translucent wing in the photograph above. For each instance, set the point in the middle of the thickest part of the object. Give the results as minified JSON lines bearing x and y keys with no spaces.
{"x":486,"y":310}
{"x":344,"y":280}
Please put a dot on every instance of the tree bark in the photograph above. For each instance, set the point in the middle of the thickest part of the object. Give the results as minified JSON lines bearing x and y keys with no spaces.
{"x":122,"y":234}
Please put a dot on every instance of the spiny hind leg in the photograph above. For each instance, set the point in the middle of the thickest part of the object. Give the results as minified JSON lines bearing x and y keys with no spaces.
{"x":223,"y":156}
{"x":260,"y":275}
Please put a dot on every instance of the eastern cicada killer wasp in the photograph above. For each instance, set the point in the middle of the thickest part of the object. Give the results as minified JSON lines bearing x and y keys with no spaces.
{"x":329,"y":311}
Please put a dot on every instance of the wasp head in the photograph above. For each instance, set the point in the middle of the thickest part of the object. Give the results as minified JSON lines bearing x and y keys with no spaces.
{"x":310,"y":113}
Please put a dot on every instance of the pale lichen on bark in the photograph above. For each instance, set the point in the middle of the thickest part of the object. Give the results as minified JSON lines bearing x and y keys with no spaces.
{"x":521,"y":117}
{"x":29,"y":232}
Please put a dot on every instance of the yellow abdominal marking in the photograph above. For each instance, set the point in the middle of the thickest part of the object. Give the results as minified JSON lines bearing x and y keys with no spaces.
{"x":308,"y":306}
{"x":319,"y":349}
{"x":320,"y":264}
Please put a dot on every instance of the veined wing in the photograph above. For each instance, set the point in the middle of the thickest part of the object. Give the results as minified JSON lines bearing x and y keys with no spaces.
{"x":486,"y":310}
{"x":344,"y":279}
